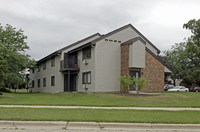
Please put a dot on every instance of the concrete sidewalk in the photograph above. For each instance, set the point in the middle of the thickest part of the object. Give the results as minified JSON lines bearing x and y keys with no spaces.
{"x":52,"y":125}
{"x":94,"y":107}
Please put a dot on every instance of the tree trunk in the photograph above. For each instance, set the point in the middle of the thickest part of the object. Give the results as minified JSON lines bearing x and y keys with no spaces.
{"x":174,"y":82}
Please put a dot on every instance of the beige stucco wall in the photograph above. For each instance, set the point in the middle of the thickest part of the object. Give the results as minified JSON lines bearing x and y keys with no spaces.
{"x":137,"y":55}
{"x":108,"y":61}
{"x":47,"y":73}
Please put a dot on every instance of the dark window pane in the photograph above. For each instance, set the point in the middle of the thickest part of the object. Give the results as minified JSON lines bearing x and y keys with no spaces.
{"x":52,"y":80}
{"x":87,"y":53}
{"x":33,"y":84}
{"x":86,"y":78}
{"x":44,"y":82}
{"x":52,"y":61}
{"x":44,"y":65}
{"x":38,"y":83}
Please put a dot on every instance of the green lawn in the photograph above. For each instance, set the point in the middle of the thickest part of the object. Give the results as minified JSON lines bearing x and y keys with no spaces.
{"x":177,"y":99}
{"x":139,"y":116}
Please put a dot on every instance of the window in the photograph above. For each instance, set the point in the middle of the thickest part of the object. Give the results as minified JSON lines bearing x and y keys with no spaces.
{"x":44,"y":65}
{"x":52,"y":62}
{"x":33,"y":84}
{"x":52,"y":80}
{"x":38,"y":69}
{"x":44,"y":82}
{"x":38,"y":83}
{"x":33,"y":70}
{"x":87,"y":53}
{"x":87,"y":78}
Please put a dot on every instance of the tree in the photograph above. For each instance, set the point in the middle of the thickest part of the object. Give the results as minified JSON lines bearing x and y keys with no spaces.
{"x":12,"y":49}
{"x":184,"y":58}
{"x":193,"y":49}
{"x":176,"y":58}
{"x":3,"y":69}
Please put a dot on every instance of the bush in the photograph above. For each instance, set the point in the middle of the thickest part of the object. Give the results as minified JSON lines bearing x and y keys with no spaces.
{"x":125,"y":83}
{"x":139,"y":83}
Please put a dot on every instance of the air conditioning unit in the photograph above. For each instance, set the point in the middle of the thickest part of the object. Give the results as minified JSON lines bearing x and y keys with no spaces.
{"x":85,"y":61}
{"x":85,"y":86}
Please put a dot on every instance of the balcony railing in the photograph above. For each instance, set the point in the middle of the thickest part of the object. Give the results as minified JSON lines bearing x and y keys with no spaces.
{"x":65,"y":66}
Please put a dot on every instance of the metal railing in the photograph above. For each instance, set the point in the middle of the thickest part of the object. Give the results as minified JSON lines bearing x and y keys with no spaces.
{"x":65,"y":66}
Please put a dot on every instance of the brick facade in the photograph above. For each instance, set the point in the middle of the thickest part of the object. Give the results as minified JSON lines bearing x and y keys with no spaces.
{"x":153,"y":71}
{"x":125,"y":60}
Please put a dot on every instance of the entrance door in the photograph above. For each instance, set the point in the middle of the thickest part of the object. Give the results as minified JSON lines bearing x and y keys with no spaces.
{"x":136,"y":74}
{"x":73,"y":84}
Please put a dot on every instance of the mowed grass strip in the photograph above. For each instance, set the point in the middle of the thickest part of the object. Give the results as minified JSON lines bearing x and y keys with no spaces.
{"x":175,"y":99}
{"x":97,"y":115}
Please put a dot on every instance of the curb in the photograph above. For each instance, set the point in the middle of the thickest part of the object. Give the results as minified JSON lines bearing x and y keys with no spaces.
{"x":62,"y":125}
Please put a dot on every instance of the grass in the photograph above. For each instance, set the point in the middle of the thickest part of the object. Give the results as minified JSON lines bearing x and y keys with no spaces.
{"x":175,"y":99}
{"x":97,"y":115}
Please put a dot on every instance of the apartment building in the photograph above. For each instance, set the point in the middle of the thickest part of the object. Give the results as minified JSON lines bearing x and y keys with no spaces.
{"x":95,"y":64}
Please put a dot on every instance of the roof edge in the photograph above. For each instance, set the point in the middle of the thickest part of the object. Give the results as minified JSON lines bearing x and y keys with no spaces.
{"x":110,"y":33}
{"x":66,"y":47}
{"x":133,"y":40}
{"x":123,"y":27}
{"x":145,"y":38}
{"x":158,"y":58}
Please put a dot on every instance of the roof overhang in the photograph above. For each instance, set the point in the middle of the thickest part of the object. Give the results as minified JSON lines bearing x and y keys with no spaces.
{"x":80,"y":48}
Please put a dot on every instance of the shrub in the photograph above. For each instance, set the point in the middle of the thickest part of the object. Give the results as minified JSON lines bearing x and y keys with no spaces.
{"x":125,"y":83}
{"x":139,"y":83}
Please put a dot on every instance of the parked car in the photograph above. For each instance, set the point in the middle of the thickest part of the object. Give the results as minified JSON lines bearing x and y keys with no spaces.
{"x":168,"y":86}
{"x":179,"y":88}
{"x":195,"y":89}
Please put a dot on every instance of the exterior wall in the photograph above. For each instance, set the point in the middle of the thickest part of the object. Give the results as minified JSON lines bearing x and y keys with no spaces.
{"x":59,"y":76}
{"x":86,"y":68}
{"x":105,"y":65}
{"x":125,"y":60}
{"x":167,"y":70}
{"x":108,"y":62}
{"x":78,"y":45}
{"x":47,"y":73}
{"x":137,"y":55}
{"x":154,"y":72}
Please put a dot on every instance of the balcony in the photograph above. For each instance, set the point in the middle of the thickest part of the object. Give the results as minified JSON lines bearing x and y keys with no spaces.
{"x":66,"y":66}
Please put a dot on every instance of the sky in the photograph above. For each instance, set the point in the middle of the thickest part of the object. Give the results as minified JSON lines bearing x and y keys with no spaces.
{"x":54,"y":24}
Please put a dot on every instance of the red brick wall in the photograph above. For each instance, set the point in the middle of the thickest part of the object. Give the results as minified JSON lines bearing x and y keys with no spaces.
{"x":125,"y":60}
{"x":154,"y":72}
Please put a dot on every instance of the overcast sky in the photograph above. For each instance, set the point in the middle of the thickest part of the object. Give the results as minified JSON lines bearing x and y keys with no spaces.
{"x":53,"y":24}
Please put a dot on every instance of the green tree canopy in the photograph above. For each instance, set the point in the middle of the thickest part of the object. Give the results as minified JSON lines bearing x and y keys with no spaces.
{"x":184,"y":57}
{"x":14,"y":59}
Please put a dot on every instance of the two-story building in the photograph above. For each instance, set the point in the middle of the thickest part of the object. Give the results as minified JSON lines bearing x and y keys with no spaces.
{"x":96,"y":63}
